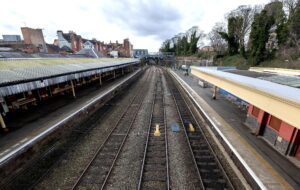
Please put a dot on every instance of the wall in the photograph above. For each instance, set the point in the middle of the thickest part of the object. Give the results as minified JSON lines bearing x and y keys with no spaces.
{"x":11,"y":38}
{"x":193,"y":61}
{"x":62,"y":41}
{"x":281,"y":136}
{"x":35,"y":37}
{"x":127,"y":48}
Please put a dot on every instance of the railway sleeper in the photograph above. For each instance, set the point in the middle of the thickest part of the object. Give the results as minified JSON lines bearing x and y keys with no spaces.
{"x":154,"y":167}
{"x":113,"y":145}
{"x":110,"y":148}
{"x":158,"y":121}
{"x":155,"y":148}
{"x":100,"y":164}
{"x":212,"y":184}
{"x":87,"y":182}
{"x":155,"y":176}
{"x":195,"y":137}
{"x":156,"y":161}
{"x":217,"y":177}
{"x":162,"y":134}
{"x":217,"y":170}
{"x":201,"y":152}
{"x":156,"y":142}
{"x":104,"y":162}
{"x":154,"y":185}
{"x":156,"y":154}
{"x":205,"y":158}
{"x":202,"y":146}
{"x":208,"y":166}
{"x":109,"y":155}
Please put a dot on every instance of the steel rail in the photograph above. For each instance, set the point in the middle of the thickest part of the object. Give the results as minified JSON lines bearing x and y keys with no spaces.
{"x":201,"y":131}
{"x":149,"y":132}
{"x":109,"y":136}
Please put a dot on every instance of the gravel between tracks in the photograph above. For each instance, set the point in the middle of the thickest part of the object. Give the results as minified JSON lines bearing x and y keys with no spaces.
{"x":125,"y":174}
{"x":183,"y":174}
{"x":238,"y":182}
{"x":65,"y":173}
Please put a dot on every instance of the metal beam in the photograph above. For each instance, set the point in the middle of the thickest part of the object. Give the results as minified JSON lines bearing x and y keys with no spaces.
{"x":283,"y":109}
{"x":73,"y":89}
{"x":2,"y":123}
{"x":214,"y":96}
{"x":100,"y":79}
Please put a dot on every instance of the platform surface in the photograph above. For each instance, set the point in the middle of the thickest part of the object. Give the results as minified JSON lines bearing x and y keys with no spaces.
{"x":274,"y":170}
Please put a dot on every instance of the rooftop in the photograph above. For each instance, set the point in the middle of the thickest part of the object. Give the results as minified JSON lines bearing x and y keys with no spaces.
{"x":288,"y":80}
{"x":14,"y":71}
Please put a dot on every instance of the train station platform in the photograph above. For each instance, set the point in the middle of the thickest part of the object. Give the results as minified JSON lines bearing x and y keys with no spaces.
{"x":12,"y":143}
{"x":269,"y":168}
{"x":27,"y":82}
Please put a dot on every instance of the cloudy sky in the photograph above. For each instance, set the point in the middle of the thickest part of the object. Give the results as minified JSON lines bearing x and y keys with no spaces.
{"x":147,"y":23}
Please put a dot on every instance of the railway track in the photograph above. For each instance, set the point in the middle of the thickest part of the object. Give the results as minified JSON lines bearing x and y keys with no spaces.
{"x":154,"y":171}
{"x":210,"y":171}
{"x":98,"y":170}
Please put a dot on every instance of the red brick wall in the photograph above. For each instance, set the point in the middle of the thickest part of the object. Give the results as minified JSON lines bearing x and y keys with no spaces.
{"x":26,"y":35}
{"x":127,"y":47}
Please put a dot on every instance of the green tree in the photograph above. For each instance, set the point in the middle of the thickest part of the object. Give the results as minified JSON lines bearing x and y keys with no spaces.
{"x":242,"y":18}
{"x":294,"y":26}
{"x":259,"y":36}
{"x":193,"y":43}
{"x":231,"y":36}
{"x":165,"y":46}
{"x":271,"y":15}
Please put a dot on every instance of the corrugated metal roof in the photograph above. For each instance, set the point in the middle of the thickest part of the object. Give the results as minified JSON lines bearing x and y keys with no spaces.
{"x":16,"y":80}
{"x":285,"y":80}
{"x":293,"y":81}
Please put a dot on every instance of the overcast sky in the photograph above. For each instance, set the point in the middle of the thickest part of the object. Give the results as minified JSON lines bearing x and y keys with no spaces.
{"x":147,"y":23}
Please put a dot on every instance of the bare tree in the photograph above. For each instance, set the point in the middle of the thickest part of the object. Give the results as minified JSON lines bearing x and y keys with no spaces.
{"x":245,"y":15}
{"x":216,"y":41}
{"x":290,"y":6}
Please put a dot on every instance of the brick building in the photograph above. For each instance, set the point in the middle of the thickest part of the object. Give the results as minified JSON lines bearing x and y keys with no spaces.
{"x":34,"y":37}
{"x":75,"y":43}
{"x":70,"y":41}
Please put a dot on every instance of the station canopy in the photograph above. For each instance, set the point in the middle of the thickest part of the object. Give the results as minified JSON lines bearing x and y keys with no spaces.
{"x":20,"y":75}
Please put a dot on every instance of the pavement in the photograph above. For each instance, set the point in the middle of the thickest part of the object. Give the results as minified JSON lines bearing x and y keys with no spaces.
{"x":271,"y":169}
{"x":42,"y":121}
